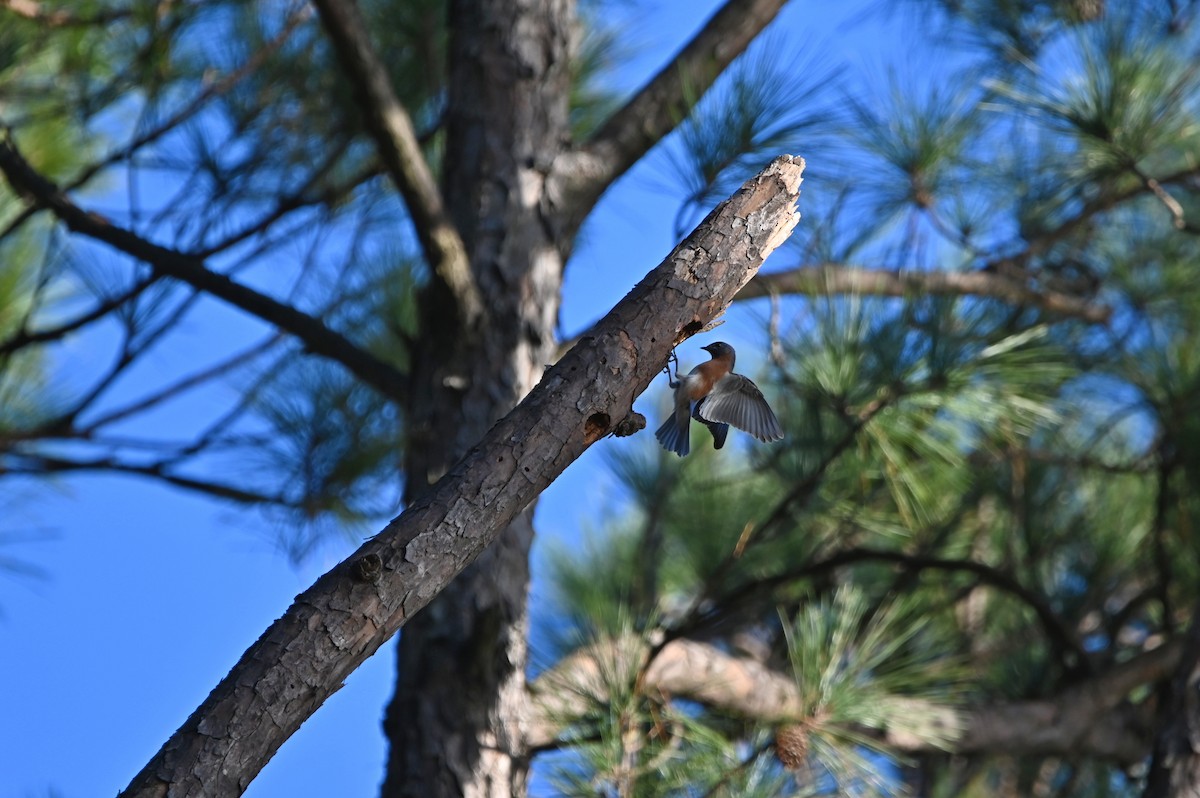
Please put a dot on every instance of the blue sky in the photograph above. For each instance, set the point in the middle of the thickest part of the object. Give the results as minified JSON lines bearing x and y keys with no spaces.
{"x":152,"y":594}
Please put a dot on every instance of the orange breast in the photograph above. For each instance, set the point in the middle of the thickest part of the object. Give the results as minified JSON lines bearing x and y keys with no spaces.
{"x":705,"y":376}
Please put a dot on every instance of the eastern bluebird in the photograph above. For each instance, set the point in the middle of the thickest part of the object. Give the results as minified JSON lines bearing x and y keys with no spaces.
{"x":716,"y":397}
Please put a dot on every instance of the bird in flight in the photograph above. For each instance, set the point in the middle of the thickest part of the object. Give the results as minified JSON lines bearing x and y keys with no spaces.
{"x":716,"y":397}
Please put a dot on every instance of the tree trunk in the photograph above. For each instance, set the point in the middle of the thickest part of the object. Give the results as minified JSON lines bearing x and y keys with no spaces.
{"x":455,"y":721}
{"x":1175,"y":763}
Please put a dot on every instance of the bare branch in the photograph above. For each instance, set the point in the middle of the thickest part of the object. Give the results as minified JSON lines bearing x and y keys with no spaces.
{"x":352,"y":610}
{"x":48,"y":464}
{"x":662,"y":103}
{"x":824,"y":279}
{"x":314,"y":334}
{"x":396,"y":141}
{"x":1089,"y":719}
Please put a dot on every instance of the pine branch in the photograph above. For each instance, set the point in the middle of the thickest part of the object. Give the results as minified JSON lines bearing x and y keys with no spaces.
{"x":662,"y":103}
{"x":311,"y":331}
{"x":355,"y":608}
{"x":295,"y":200}
{"x":824,"y":279}
{"x":775,"y":520}
{"x":1137,"y":465}
{"x":214,"y":88}
{"x":1069,"y":648}
{"x":1106,"y":201}
{"x":1088,"y":719}
{"x":396,"y":142}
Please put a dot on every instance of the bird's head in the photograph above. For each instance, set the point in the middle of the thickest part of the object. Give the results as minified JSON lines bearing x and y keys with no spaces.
{"x":720,"y":349}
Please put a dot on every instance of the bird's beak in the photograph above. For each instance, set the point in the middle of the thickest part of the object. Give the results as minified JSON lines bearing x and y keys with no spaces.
{"x":708,"y":348}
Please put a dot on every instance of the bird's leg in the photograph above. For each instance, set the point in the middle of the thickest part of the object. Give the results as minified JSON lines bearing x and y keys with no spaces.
{"x":673,"y":381}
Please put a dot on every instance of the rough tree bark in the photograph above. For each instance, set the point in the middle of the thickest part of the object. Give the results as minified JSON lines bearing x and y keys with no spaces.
{"x":454,"y":722}
{"x":351,"y":611}
{"x":517,"y":193}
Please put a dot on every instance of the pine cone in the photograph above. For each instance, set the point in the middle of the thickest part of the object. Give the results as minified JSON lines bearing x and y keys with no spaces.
{"x":791,"y":745}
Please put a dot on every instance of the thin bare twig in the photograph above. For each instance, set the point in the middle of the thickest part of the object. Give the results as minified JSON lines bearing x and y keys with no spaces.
{"x":183,"y":385}
{"x":210,"y":90}
{"x":1107,"y":201}
{"x":1165,"y":198}
{"x":42,"y":463}
{"x":1056,"y":631}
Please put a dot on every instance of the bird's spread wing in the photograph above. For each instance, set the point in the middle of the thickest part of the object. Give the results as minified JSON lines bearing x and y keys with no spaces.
{"x":738,"y":401}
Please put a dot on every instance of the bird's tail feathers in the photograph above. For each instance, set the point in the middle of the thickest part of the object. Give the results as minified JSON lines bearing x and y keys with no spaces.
{"x":674,"y":436}
{"x":719,"y":432}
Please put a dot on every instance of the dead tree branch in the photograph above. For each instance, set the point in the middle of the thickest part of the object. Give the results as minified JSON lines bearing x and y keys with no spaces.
{"x":352,"y":610}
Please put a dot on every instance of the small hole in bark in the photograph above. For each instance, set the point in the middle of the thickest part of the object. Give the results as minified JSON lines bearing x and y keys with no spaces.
{"x":596,"y":427}
{"x":692,"y":327}
{"x":367,"y":568}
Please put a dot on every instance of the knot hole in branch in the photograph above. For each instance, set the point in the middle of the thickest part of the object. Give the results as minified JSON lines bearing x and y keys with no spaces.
{"x":596,"y":427}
